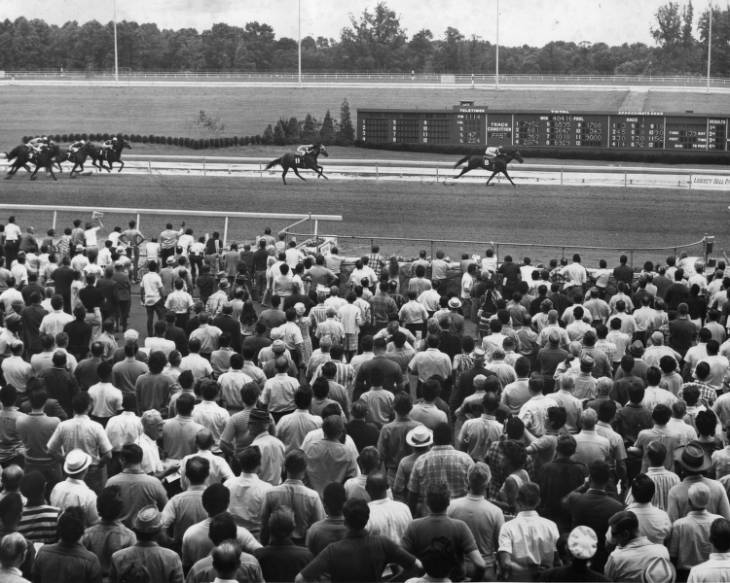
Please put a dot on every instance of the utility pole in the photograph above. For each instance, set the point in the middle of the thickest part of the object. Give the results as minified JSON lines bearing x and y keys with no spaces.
{"x":709,"y":48}
{"x":116,"y":50}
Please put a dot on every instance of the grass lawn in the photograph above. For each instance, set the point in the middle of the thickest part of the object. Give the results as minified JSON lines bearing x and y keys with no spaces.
{"x":247,"y":110}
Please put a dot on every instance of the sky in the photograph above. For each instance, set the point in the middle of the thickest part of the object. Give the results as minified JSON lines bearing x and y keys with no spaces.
{"x":533,"y":22}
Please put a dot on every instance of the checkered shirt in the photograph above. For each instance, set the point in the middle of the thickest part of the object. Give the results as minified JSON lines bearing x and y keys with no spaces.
{"x":442,"y":464}
{"x":708,"y":394}
{"x":497,"y":462}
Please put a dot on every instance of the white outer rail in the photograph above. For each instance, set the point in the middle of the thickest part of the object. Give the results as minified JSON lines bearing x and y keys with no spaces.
{"x":226,"y":215}
{"x":435,"y":171}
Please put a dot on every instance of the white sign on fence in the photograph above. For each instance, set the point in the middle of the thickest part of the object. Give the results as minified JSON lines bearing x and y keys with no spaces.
{"x":710,"y":182}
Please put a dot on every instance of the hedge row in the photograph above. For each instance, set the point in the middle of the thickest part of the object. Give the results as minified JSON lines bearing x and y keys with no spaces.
{"x":194,"y":143}
{"x":656,"y":156}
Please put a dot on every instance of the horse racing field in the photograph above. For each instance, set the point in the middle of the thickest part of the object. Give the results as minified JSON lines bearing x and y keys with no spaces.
{"x":576,"y":217}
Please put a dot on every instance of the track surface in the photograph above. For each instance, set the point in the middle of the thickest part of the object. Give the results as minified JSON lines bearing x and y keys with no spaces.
{"x":571,"y":216}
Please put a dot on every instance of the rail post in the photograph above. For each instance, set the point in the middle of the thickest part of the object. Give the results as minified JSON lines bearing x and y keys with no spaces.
{"x":138,"y":221}
{"x":316,"y":229}
{"x":55,"y":217}
{"x":225,"y":231}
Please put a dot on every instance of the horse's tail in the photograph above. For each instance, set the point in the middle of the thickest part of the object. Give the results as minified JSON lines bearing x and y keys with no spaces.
{"x":273,"y":163}
{"x":464,"y":159}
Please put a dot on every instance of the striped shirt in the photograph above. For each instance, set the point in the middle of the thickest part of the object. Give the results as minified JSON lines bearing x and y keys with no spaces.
{"x":38,"y":523}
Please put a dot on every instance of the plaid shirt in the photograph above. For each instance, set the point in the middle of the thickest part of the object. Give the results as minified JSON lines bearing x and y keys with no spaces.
{"x":376,"y":263}
{"x":497,"y":462}
{"x":442,"y":464}
{"x":383,"y":308}
{"x":708,"y":394}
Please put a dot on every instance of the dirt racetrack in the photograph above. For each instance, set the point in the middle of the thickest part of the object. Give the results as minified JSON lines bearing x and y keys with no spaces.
{"x":572,"y":216}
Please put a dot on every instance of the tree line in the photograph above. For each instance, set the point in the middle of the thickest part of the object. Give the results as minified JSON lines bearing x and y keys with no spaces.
{"x":375,"y":41}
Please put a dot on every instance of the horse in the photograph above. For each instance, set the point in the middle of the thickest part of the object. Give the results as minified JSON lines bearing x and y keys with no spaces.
{"x":48,"y":157}
{"x":21,"y":156}
{"x":294,"y":161}
{"x":111,"y":155}
{"x":496,"y":166}
{"x":88,"y":150}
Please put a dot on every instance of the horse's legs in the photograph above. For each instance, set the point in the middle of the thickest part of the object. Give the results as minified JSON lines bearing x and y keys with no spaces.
{"x":492,"y":176}
{"x":297,"y":173}
{"x":508,"y":178}
{"x":50,"y":169}
{"x":121,"y":165}
{"x":464,"y":170}
{"x":33,"y":176}
{"x":320,"y":171}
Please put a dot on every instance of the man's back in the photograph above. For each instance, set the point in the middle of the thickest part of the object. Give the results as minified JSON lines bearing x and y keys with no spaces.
{"x":137,"y":491}
{"x":484,"y":520}
{"x":358,"y":557}
{"x":178,"y":436}
{"x":593,"y":509}
{"x":61,"y":562}
{"x":162,"y":564}
{"x":329,"y":461}
{"x":630,"y":562}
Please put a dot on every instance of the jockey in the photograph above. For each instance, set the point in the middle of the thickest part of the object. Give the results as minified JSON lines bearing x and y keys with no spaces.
{"x":305,"y":149}
{"x":492,"y":152}
{"x":37,"y":143}
{"x":110,"y":144}
{"x":76,"y":146}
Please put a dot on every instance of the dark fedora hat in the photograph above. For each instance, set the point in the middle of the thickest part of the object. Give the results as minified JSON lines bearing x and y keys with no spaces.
{"x":693,"y":457}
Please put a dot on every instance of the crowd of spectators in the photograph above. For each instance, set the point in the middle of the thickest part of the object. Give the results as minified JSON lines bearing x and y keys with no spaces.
{"x":290,"y":416}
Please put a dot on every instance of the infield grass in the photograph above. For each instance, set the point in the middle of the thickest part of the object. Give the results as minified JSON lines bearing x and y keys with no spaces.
{"x":172,"y":111}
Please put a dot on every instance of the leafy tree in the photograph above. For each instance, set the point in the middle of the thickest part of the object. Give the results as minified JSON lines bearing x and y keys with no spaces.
{"x":375,"y":41}
{"x":668,"y":30}
{"x":346,"y":132}
{"x":268,"y":137}
{"x":687,"y":15}
{"x":259,"y":39}
{"x":327,"y":131}
{"x":219,"y":45}
{"x":447,"y":57}
{"x":420,"y":50}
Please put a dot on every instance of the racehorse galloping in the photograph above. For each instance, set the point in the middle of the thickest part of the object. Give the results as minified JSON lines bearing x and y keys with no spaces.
{"x":78,"y":157}
{"x":112,"y":154}
{"x":47,"y":157}
{"x":21,"y":156}
{"x":496,"y":166}
{"x":293,"y":161}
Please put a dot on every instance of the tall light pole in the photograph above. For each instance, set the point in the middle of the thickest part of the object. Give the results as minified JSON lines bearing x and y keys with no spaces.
{"x":496,"y":53}
{"x":116,"y":50}
{"x":709,"y":48}
{"x":299,"y":43}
